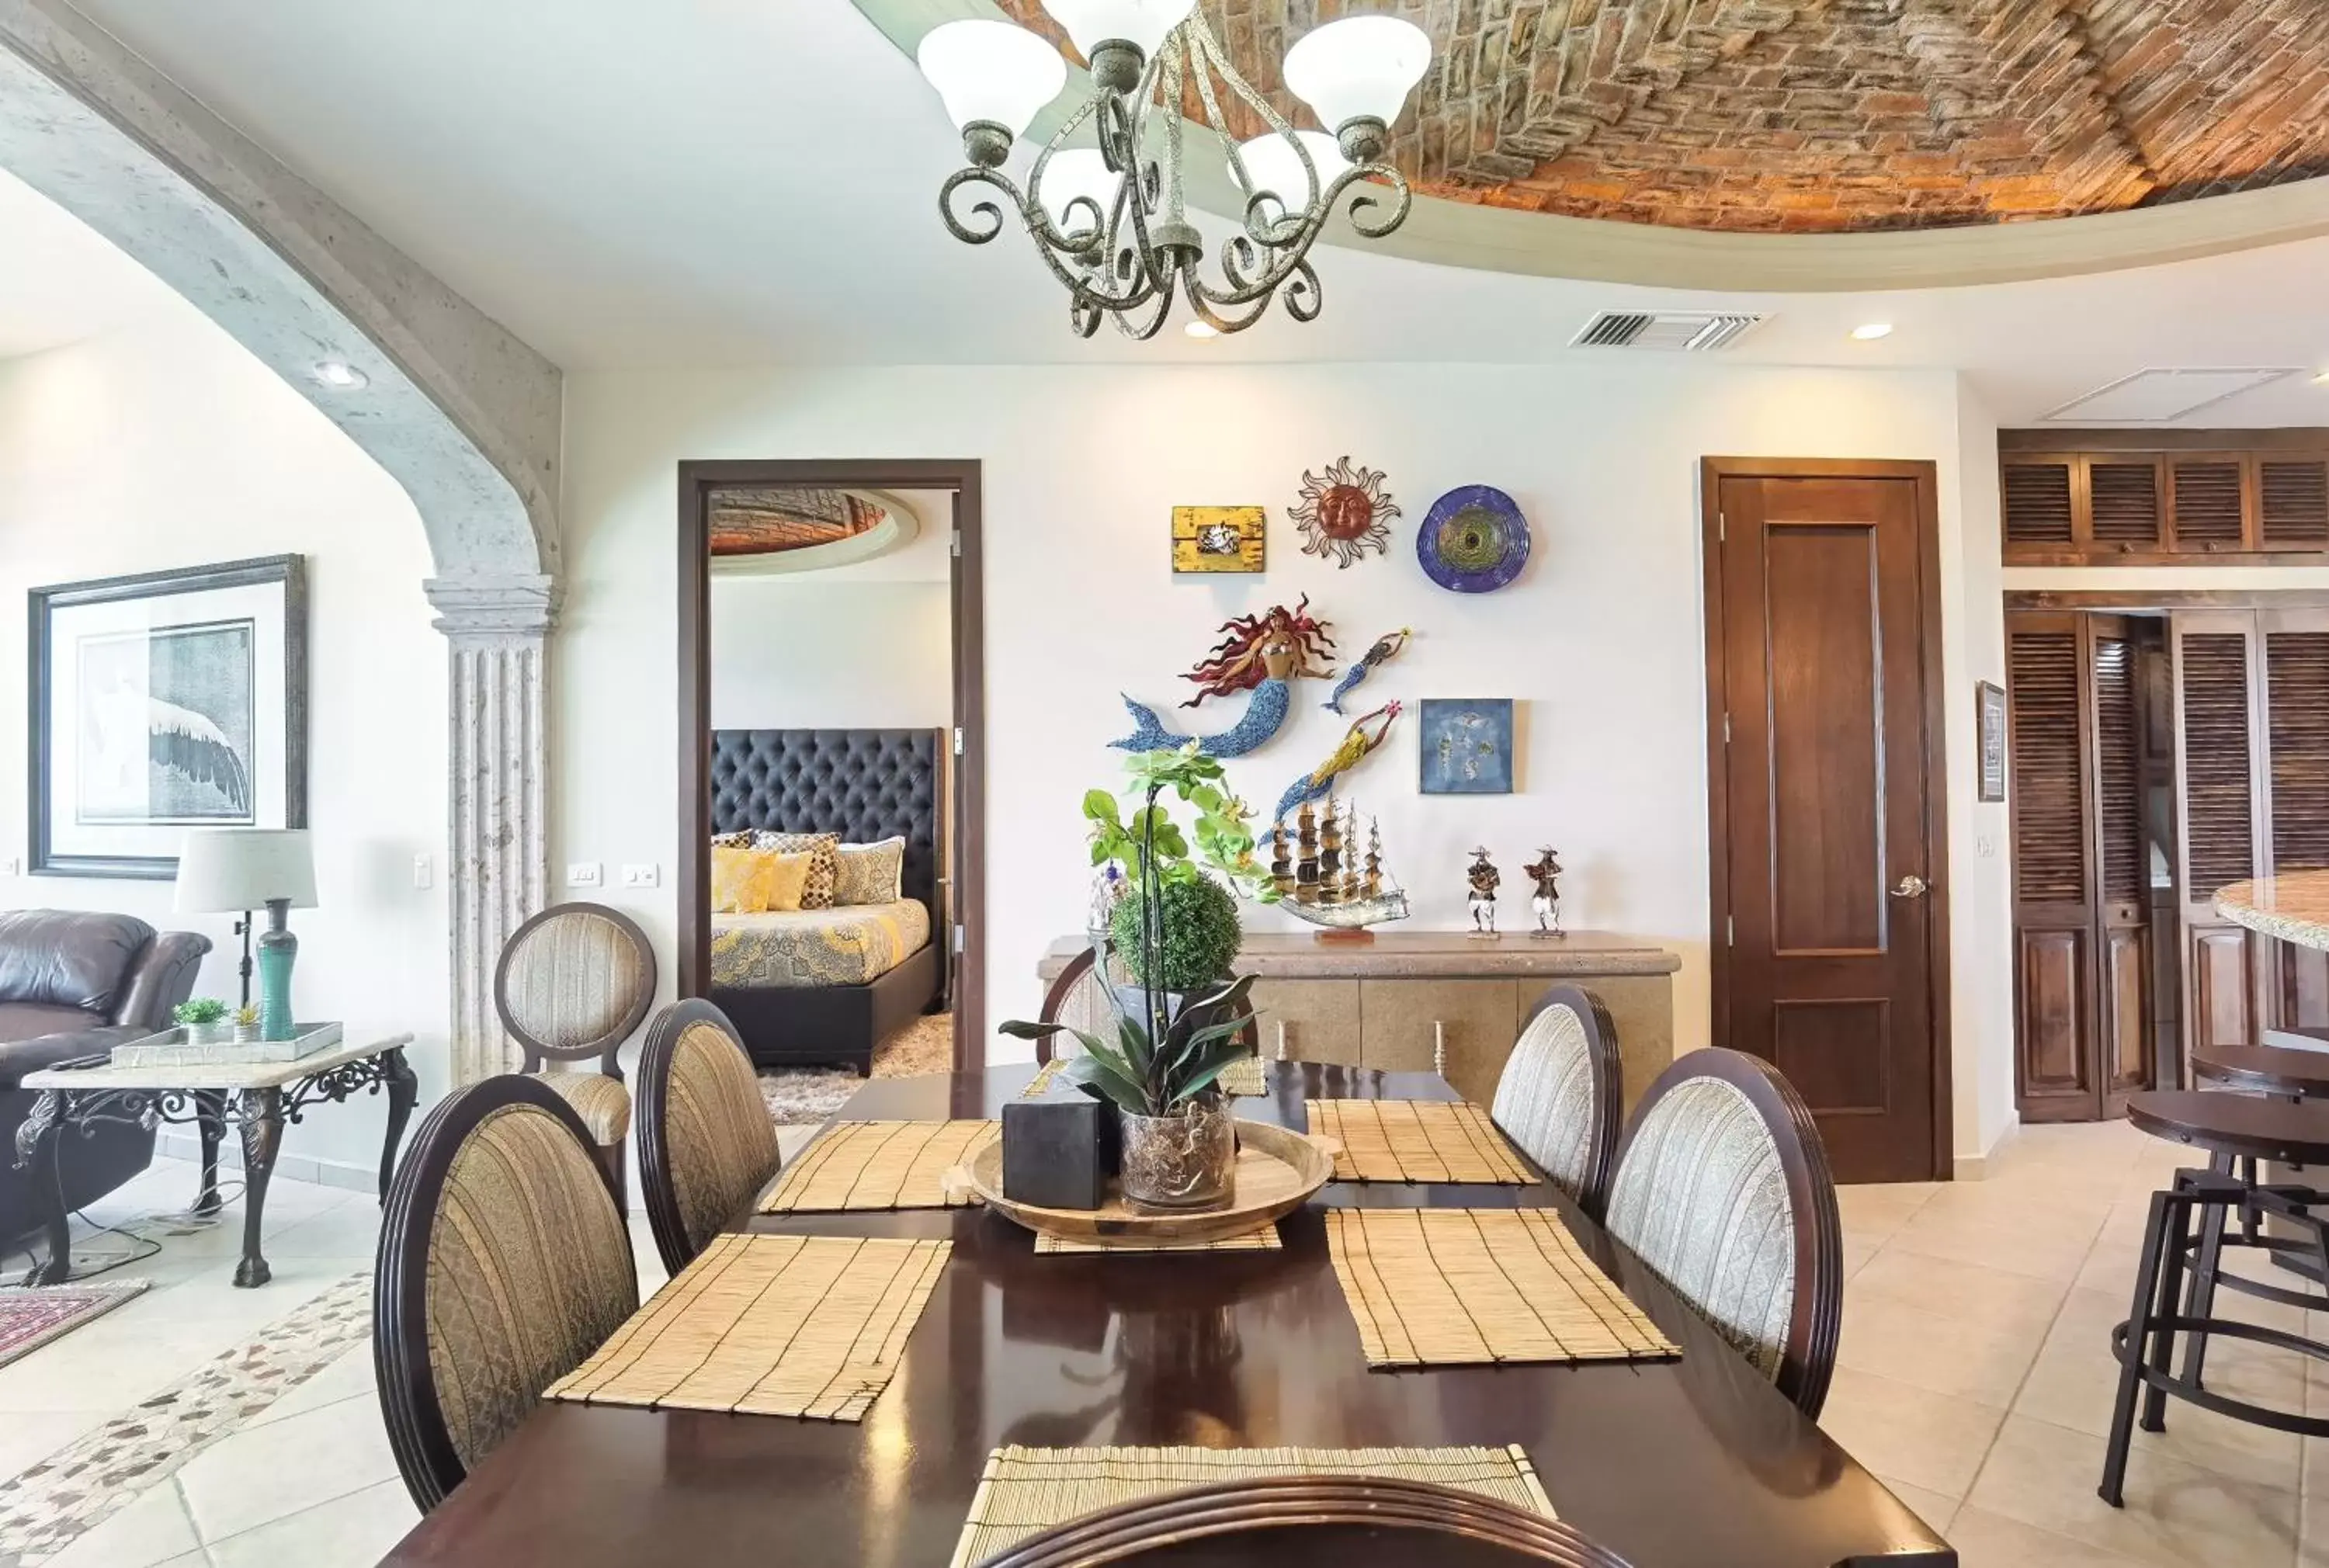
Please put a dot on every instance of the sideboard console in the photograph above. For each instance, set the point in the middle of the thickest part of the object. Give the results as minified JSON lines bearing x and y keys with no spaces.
{"x":1390,"y":1002}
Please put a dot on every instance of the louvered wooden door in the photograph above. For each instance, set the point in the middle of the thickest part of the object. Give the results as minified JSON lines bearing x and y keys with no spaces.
{"x":2082,"y":964}
{"x":2217,"y":791}
{"x":2296,"y":651}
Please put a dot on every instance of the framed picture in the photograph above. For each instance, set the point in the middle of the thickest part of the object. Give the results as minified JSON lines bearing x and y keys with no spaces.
{"x":1468,"y":746}
{"x":164,"y":701}
{"x":1989,"y":707}
{"x":1217,"y":538}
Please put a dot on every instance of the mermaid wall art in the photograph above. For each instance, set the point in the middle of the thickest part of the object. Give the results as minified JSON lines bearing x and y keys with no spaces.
{"x":1263,"y":654}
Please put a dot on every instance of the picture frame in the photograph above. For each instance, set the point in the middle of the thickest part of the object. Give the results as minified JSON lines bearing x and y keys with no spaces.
{"x":1468,"y":746}
{"x":161,"y":701}
{"x":1989,"y":711}
{"x":1218,"y":538}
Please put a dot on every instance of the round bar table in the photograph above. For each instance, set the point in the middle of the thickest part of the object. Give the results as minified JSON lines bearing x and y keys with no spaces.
{"x":2293,"y":906}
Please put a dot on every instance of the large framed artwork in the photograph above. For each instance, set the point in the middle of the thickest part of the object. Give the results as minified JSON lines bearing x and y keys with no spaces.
{"x":164,"y":701}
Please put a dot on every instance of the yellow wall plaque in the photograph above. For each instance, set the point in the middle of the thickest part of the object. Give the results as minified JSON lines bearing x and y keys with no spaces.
{"x":1218,"y":538}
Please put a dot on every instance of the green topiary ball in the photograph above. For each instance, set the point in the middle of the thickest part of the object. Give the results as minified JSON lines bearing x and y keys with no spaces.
{"x":1201,"y":934}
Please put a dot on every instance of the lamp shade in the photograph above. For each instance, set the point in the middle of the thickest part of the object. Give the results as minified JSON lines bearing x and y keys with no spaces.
{"x":1359,"y":68}
{"x":236,"y":869}
{"x":991,"y":71}
{"x":1270,"y":163}
{"x":1144,"y":23}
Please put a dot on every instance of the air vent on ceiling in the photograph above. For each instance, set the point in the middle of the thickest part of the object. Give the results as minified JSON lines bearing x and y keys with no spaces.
{"x":2155,"y":397}
{"x":1684,"y":331}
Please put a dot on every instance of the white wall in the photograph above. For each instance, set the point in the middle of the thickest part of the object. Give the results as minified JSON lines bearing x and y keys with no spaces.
{"x":863,"y":646}
{"x":1601,"y":641}
{"x":169,"y":445}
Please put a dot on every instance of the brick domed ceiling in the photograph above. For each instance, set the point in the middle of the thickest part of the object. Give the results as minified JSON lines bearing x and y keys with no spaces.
{"x":1848,"y":115}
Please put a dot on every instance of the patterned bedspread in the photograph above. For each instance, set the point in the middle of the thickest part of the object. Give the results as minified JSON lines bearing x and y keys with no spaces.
{"x":849,"y":945}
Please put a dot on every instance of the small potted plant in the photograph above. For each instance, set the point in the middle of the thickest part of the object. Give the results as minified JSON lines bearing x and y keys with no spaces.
{"x":246,"y":1025}
{"x":1177,"y":931}
{"x":203,"y":1018}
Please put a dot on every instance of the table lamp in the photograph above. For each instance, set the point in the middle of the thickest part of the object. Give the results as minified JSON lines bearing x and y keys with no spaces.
{"x":239,"y":869}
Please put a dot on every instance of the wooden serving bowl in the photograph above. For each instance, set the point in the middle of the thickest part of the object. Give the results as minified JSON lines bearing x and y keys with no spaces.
{"x":1277,"y":1173}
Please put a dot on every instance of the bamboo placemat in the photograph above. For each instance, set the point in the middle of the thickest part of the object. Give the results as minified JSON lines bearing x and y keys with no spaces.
{"x":768,"y":1325}
{"x":1416,"y":1140}
{"x":880,"y":1165}
{"x":1027,"y":1490}
{"x":1240,"y":1079}
{"x":1468,"y":1287}
{"x":1264,"y":1240}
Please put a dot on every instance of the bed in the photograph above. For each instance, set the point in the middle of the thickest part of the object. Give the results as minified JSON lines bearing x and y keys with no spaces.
{"x":825,"y":986}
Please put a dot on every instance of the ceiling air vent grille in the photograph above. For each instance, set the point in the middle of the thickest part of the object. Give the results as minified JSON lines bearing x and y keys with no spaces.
{"x":1672,"y":330}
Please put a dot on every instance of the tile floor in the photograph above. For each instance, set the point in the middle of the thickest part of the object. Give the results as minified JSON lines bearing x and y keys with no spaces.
{"x":1973,"y":1378}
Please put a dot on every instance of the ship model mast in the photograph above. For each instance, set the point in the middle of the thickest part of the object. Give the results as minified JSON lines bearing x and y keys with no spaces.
{"x":1324,"y":881}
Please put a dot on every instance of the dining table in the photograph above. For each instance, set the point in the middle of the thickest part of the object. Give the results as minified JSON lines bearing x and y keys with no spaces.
{"x":1694,"y":1462}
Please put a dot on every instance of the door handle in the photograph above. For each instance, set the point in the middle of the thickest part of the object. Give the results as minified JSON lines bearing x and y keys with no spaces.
{"x":1910,"y":887}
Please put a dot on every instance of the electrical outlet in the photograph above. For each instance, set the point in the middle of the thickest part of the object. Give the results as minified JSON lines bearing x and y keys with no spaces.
{"x":12,"y":866}
{"x":1985,"y":847}
{"x":583,"y":874}
{"x":424,"y":870}
{"x":642,"y":877}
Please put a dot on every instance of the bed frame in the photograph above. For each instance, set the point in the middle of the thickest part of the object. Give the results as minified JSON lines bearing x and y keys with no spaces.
{"x":864,"y":784}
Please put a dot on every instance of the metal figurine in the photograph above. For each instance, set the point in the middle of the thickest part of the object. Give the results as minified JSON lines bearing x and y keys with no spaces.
{"x":1260,"y":654}
{"x":1483,"y":878}
{"x":1385,"y":650}
{"x":1545,"y":872}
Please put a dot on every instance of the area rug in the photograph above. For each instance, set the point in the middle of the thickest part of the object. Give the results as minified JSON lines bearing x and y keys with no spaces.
{"x":807,"y":1095}
{"x":48,"y":1506}
{"x":33,"y":1315}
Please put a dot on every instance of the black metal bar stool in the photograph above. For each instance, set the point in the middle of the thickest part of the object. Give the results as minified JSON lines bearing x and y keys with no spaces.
{"x":2298,"y":1073}
{"x":2188,"y":1227}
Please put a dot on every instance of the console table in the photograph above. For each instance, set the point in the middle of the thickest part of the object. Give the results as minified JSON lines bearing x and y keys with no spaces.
{"x":257,"y":1099}
{"x":1395,"y":1003}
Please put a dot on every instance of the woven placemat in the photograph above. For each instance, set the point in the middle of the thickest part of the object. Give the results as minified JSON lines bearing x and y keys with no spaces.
{"x":1242,"y":1078}
{"x":1469,"y":1287}
{"x":1264,"y":1240}
{"x":1027,"y":1490}
{"x":1416,"y":1140}
{"x":768,"y":1325}
{"x":880,"y":1165}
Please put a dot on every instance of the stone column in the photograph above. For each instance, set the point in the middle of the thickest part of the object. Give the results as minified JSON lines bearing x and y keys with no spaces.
{"x":499,"y":764}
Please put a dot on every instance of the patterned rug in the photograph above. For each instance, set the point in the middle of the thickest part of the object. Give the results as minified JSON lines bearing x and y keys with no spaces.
{"x":48,"y":1506}
{"x":806,"y":1095}
{"x":33,"y":1315}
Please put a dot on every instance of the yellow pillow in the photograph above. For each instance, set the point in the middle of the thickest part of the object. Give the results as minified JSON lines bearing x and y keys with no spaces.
{"x":739,"y":880}
{"x":787,"y":879}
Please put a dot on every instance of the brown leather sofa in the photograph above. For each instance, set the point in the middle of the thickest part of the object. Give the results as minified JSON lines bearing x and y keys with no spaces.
{"x":75,"y":984}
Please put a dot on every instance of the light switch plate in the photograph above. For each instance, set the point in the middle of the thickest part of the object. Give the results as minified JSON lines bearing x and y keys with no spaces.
{"x":642,"y":877}
{"x":583,"y":874}
{"x":1985,"y":847}
{"x":12,"y":866}
{"x":424,"y":870}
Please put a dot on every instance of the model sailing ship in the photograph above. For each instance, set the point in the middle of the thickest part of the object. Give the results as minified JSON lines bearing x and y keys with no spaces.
{"x":1323,"y":879}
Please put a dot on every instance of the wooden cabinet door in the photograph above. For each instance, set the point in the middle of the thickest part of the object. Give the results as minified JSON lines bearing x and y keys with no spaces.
{"x":2050,"y":714}
{"x":2294,"y":646}
{"x":2217,"y":789}
{"x":1402,"y":1021}
{"x":1316,"y":1021}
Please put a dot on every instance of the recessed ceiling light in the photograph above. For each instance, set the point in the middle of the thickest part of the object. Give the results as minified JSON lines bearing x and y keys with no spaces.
{"x":1873,"y":330}
{"x":341,"y":375}
{"x":1202,"y":329}
{"x":2322,"y":379}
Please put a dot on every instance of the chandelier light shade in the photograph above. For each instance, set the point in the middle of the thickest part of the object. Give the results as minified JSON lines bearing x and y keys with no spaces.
{"x":1106,"y":208}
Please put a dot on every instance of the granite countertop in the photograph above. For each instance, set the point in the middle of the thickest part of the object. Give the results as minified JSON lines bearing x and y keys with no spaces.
{"x":1405,"y":954}
{"x":2293,"y":906}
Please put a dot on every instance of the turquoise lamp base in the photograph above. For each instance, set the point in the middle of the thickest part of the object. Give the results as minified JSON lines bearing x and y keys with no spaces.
{"x":278,"y":948}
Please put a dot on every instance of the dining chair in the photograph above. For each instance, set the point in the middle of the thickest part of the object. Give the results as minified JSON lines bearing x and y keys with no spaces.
{"x":1562,"y":1093}
{"x":1311,"y":1522}
{"x":1722,"y":1189}
{"x":502,"y":1265}
{"x":573,"y":982}
{"x":1079,"y":999}
{"x":706,"y":1143}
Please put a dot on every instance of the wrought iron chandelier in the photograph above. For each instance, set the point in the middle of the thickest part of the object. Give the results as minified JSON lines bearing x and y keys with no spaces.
{"x":1108,"y":218}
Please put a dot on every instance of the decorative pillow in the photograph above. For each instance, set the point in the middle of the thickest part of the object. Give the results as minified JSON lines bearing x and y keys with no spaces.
{"x":742,"y":880}
{"x":825,"y":847}
{"x":788,"y":879}
{"x":869,"y":873}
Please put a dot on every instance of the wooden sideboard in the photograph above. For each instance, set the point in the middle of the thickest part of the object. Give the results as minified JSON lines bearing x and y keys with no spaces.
{"x":1387,"y":1003}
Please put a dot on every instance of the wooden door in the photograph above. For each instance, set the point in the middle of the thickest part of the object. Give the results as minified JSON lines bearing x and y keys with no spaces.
{"x":1822,"y":655}
{"x":2217,"y":789}
{"x":2295,"y":780}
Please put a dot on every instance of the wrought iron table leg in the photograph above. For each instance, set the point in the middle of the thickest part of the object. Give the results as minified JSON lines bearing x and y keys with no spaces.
{"x":403,"y":1088}
{"x":36,"y":1145}
{"x":210,"y":1125}
{"x":262,"y":1136}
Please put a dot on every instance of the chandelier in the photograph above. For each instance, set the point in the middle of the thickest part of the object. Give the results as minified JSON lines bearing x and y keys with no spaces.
{"x":1109,"y":218}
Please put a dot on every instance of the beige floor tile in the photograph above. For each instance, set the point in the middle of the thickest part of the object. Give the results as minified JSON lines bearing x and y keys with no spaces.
{"x":29,"y":1436}
{"x":350,"y":1530}
{"x":1931,"y":1441}
{"x":2043,"y":1247}
{"x":152,"y":1528}
{"x":267,"y":1473}
{"x":1983,"y":1362}
{"x":1871,"y":1214}
{"x":349,"y":1377}
{"x":1967,"y":1291}
{"x":1932,"y":1507}
{"x":1987,"y":1540}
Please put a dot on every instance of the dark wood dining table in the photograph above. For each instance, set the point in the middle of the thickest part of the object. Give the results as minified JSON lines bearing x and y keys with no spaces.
{"x":1694,"y":1463}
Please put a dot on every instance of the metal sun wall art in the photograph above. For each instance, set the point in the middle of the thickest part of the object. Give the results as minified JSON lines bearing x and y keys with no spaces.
{"x":1473,"y":539}
{"x":1468,"y":746}
{"x":1256,"y":654}
{"x":1345,"y":511}
{"x":1218,"y":538}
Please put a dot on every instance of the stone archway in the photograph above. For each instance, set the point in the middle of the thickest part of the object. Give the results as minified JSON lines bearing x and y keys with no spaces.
{"x":460,"y":413}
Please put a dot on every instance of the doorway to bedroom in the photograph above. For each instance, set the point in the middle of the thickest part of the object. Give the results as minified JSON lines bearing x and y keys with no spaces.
{"x":829,"y":799}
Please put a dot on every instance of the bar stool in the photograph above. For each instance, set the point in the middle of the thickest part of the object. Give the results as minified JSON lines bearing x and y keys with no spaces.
{"x":2234,"y":1129}
{"x":2297,"y":1073}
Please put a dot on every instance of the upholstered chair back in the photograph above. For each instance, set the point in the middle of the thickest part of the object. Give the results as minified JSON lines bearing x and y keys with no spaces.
{"x":1560,"y":1095}
{"x":1078,"y":999}
{"x":503,"y":1264}
{"x":706,"y":1142}
{"x":1722,"y":1189}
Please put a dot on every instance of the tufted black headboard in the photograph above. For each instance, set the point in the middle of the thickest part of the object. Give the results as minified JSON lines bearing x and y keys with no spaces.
{"x":864,"y":784}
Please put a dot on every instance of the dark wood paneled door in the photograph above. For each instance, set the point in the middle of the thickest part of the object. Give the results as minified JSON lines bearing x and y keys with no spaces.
{"x":1822,"y":653}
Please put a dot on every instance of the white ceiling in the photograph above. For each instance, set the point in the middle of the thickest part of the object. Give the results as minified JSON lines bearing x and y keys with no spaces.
{"x":60,"y":281}
{"x":738,"y":182}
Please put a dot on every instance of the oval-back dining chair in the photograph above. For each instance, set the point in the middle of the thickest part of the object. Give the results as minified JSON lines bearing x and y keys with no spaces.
{"x":572,"y":983}
{"x":1562,"y":1094}
{"x":1079,"y":999}
{"x":706,"y":1143}
{"x":502,"y":1265}
{"x":1722,"y":1189}
{"x":1311,"y":1522}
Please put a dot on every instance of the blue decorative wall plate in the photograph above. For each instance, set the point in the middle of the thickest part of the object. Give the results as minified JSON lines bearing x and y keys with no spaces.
{"x":1473,"y":539}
